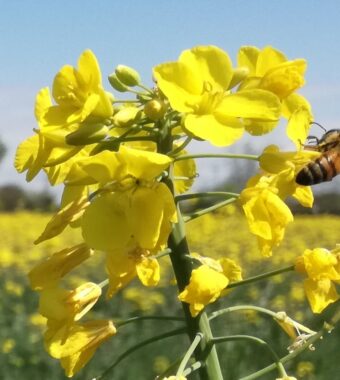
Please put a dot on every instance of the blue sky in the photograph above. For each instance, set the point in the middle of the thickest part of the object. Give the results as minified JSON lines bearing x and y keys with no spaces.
{"x":38,"y":37}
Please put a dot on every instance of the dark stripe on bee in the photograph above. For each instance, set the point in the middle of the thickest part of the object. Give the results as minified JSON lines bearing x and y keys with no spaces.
{"x":316,"y":172}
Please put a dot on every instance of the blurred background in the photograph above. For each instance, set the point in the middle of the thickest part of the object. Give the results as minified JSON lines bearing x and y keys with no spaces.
{"x":37,"y":39}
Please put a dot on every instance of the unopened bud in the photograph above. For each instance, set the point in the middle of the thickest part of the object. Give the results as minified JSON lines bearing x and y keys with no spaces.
{"x":239,"y":74}
{"x":127,"y":75}
{"x":126,"y":117}
{"x":88,"y":133}
{"x":116,"y":83}
{"x":155,"y":109}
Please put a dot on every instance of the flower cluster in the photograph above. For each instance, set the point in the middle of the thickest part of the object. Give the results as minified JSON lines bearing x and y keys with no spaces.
{"x":123,"y":167}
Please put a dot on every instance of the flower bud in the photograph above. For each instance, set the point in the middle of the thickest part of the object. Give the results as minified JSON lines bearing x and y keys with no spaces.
{"x":155,"y":109}
{"x":239,"y":74}
{"x":127,"y":75}
{"x":88,"y":133}
{"x":116,"y":83}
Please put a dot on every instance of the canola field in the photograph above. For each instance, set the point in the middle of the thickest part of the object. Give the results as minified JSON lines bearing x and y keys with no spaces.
{"x":223,"y":233}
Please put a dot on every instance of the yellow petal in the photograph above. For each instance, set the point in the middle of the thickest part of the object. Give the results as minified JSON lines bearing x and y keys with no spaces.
{"x":208,"y":127}
{"x":320,"y":294}
{"x":211,"y":64}
{"x":247,"y":56}
{"x":298,"y":126}
{"x":62,"y":219}
{"x":76,"y":344}
{"x":121,"y":270}
{"x":269,"y":58}
{"x":251,"y":104}
{"x":49,"y":272}
{"x":148,"y":271}
{"x":143,"y":164}
{"x":205,"y":287}
{"x":105,"y":224}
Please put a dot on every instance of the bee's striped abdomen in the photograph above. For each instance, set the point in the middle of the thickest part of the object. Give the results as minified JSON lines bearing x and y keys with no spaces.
{"x":320,"y":170}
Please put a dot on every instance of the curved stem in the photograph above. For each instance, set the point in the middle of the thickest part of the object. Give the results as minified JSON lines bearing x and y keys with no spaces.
{"x":252,"y":339}
{"x":137,"y":346}
{"x":181,"y":147}
{"x":286,"y":358}
{"x":208,"y":155}
{"x":196,"y":214}
{"x":148,"y":317}
{"x":219,"y":194}
{"x":189,"y":353}
{"x":231,"y":309}
{"x":261,"y":277}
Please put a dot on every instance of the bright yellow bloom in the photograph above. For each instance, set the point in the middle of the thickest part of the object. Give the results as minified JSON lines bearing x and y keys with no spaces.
{"x":322,"y":268}
{"x":66,"y":306}
{"x":79,"y":95}
{"x":205,"y":287}
{"x":270,"y":70}
{"x":267,"y":215}
{"x":283,"y":167}
{"x":76,"y":344}
{"x":263,"y":198}
{"x":138,"y":212}
{"x":123,"y":266}
{"x":197,"y":85}
{"x":49,"y":272}
{"x":175,"y":378}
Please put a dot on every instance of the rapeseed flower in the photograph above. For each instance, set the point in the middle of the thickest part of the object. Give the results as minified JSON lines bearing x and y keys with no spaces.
{"x":197,"y":85}
{"x":79,"y":96}
{"x":75,"y":345}
{"x":322,"y":269}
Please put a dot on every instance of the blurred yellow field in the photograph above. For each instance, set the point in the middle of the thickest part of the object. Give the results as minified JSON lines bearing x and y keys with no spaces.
{"x":223,"y":233}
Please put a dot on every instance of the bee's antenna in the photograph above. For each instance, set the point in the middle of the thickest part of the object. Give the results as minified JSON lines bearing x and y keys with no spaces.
{"x":319,"y":125}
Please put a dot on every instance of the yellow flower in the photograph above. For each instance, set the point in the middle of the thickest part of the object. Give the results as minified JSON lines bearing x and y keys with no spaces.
{"x":205,"y":287}
{"x":122,"y":266}
{"x":270,"y":70}
{"x":283,"y":167}
{"x":197,"y":85}
{"x":76,"y":344}
{"x":267,"y":215}
{"x":65,"y":306}
{"x":51,"y":270}
{"x":138,"y":211}
{"x":322,"y":268}
{"x":79,"y":95}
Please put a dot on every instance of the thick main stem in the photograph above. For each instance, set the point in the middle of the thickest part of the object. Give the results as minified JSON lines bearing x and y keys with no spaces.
{"x":205,"y":352}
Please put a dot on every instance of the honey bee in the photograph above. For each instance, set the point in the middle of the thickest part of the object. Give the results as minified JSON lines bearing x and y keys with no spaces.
{"x":325,"y":167}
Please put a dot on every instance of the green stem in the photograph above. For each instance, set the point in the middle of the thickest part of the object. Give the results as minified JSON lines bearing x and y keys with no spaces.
{"x":137,"y":346}
{"x":219,"y":194}
{"x":207,"y":210}
{"x":227,"y":155}
{"x":148,"y":317}
{"x":261,"y":276}
{"x":181,"y":147}
{"x":182,"y":269}
{"x":188,"y":354}
{"x":231,"y":309}
{"x":286,"y":358}
{"x":256,"y":340}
